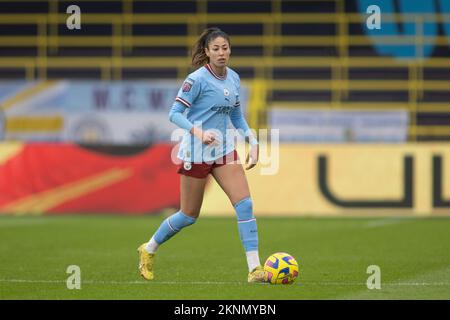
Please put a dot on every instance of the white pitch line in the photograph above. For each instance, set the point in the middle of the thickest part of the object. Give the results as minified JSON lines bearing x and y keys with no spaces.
{"x":391,"y":284}
{"x":387,"y":222}
{"x":417,"y":284}
{"x":21,"y":223}
{"x":122,"y":282}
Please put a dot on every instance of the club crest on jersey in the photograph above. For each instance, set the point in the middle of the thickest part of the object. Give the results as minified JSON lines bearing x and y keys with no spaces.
{"x":187,"y":165}
{"x":226,"y":92}
{"x":187,"y":85}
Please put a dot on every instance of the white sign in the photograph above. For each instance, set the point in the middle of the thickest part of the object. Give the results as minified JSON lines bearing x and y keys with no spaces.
{"x":339,"y":126}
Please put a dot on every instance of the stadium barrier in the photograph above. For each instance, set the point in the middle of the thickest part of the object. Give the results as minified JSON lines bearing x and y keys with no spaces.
{"x":315,"y":180}
{"x":347,"y":180}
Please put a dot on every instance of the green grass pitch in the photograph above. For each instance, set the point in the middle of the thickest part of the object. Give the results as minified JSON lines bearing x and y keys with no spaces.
{"x":206,"y":260}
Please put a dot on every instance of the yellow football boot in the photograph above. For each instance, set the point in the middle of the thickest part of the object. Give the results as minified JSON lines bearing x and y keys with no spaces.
{"x":145,"y":262}
{"x":257,"y":275}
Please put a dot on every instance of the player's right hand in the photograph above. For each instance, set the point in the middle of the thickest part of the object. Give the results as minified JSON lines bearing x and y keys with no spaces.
{"x":208,"y":138}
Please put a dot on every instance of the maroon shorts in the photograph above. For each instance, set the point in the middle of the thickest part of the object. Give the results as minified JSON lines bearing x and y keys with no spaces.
{"x":201,"y":170}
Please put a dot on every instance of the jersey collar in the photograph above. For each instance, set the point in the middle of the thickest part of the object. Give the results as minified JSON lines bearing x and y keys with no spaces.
{"x":208,"y":67}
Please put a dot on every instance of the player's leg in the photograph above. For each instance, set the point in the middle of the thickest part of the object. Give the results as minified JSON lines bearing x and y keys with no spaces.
{"x":191,"y":198}
{"x":231,"y":178}
{"x":192,"y":190}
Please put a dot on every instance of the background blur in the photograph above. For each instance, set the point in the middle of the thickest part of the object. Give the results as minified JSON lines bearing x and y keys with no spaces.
{"x":363,"y":113}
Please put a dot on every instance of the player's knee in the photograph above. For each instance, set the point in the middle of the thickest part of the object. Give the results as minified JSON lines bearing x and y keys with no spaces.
{"x":244,"y":209}
{"x":188,"y":218}
{"x":190,"y":212}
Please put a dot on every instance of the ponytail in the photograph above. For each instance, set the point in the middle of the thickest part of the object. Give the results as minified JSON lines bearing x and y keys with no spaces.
{"x":199,"y":57}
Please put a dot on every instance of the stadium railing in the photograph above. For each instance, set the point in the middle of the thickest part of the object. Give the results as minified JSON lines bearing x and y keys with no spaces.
{"x":337,"y":84}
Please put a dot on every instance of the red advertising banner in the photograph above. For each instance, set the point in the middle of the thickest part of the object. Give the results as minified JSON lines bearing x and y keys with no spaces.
{"x":65,"y":178}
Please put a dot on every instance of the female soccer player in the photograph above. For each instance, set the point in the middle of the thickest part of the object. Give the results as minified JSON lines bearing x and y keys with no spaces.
{"x":211,"y":97}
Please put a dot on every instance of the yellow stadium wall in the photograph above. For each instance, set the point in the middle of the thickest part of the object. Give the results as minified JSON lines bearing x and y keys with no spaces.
{"x":365,"y":180}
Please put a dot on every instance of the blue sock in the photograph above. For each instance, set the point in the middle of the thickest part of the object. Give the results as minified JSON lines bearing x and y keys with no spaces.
{"x":248,"y":230}
{"x":171,"y":226}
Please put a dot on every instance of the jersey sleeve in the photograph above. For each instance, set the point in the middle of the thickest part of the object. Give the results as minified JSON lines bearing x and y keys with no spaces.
{"x":238,"y":84}
{"x":188,"y":92}
{"x":176,"y":116}
{"x":238,"y":120}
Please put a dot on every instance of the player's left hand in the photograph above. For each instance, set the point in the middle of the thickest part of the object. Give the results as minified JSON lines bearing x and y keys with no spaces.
{"x":252,"y":157}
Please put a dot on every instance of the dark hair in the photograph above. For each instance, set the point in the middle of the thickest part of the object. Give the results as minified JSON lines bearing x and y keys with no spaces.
{"x":199,"y":57}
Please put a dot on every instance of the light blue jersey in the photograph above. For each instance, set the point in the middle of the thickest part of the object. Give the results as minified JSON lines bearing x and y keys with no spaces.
{"x":212,"y":103}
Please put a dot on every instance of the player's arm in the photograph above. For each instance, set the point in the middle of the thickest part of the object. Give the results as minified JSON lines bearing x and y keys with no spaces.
{"x":239,"y":122}
{"x":185,"y":97}
{"x":238,"y":119}
{"x":176,"y":116}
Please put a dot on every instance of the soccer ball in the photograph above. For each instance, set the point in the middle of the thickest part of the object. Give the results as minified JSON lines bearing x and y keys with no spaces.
{"x":281,"y":268}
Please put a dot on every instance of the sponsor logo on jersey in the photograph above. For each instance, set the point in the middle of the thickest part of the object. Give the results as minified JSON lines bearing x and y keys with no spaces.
{"x":222,"y":109}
